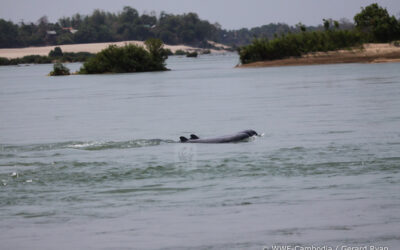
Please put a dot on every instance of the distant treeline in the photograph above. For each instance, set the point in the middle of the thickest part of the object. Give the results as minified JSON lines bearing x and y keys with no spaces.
{"x":372,"y":24}
{"x":103,"y":26}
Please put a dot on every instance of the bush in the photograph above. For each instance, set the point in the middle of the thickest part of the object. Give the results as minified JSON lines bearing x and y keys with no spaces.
{"x":34,"y":59}
{"x":57,"y":52}
{"x":66,"y":57}
{"x":75,"y":57}
{"x":4,"y":61}
{"x":295,"y":45}
{"x":59,"y":70}
{"x":373,"y":24}
{"x":180,"y":52}
{"x":129,"y":58}
{"x":192,"y":54}
{"x":169,"y":52}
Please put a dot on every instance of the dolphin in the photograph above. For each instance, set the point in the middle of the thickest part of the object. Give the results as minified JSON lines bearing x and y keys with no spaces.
{"x":240,"y":136}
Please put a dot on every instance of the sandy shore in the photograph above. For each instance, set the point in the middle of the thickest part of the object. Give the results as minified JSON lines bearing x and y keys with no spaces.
{"x":370,"y":53}
{"x":86,"y":47}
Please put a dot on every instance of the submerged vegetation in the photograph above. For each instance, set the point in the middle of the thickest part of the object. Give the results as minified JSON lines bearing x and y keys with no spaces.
{"x":129,"y":58}
{"x":372,"y":24}
{"x":192,"y":54}
{"x":59,"y":70}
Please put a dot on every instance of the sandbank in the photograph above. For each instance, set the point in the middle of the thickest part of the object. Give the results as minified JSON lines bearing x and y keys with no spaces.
{"x":86,"y":47}
{"x":368,"y":53}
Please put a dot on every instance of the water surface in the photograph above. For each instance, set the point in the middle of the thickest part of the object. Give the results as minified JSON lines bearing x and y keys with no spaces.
{"x":92,"y":162}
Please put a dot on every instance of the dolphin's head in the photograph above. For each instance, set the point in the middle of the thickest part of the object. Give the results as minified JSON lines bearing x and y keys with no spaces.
{"x":250,"y":132}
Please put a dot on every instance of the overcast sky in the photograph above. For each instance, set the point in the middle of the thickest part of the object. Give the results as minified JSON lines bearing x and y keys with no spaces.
{"x":231,"y":14}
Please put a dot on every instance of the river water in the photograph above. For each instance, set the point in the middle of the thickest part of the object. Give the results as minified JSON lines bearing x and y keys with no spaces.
{"x":92,"y":162}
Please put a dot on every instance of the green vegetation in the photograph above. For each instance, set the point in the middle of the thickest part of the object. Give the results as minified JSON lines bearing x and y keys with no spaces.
{"x":376,"y":24}
{"x":128,"y":24}
{"x":103,"y":26}
{"x":58,"y":55}
{"x":168,"y":52}
{"x":267,"y":42}
{"x":25,"y":60}
{"x":59,"y":70}
{"x":57,"y":52}
{"x":180,"y":52}
{"x":373,"y":24}
{"x":298,"y":44}
{"x":54,"y":55}
{"x":129,"y":58}
{"x":192,"y":54}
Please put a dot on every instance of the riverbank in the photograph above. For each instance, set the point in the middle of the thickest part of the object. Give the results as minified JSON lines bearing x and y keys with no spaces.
{"x":87,"y":47}
{"x":369,"y":53}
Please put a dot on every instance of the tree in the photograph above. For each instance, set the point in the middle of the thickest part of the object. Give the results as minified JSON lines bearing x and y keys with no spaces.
{"x":301,"y":27}
{"x":57,"y":52}
{"x":129,"y":15}
{"x":8,"y":34}
{"x":129,"y":58}
{"x":376,"y":23}
{"x":336,"y":24}
{"x":157,"y":52}
{"x":326,"y":24}
{"x":59,"y":70}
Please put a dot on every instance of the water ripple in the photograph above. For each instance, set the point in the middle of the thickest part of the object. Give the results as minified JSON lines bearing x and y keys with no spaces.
{"x":82,"y":145}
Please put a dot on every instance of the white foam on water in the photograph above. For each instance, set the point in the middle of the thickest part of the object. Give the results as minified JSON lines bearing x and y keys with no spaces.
{"x":84,"y":145}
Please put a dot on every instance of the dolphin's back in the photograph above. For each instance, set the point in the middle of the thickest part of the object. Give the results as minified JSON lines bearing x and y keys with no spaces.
{"x":240,"y":136}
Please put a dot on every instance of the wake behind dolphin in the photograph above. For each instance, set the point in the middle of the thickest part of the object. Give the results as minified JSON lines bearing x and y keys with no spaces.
{"x":240,"y":136}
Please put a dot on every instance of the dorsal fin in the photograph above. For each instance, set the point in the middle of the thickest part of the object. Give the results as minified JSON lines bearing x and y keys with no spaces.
{"x":183,"y":139}
{"x":194,"y":137}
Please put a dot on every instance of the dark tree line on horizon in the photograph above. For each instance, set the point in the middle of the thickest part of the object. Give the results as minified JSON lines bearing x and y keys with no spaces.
{"x":128,"y":24}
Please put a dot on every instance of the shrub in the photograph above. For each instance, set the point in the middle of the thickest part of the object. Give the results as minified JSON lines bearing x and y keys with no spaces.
{"x":295,"y":45}
{"x":4,"y":61}
{"x":34,"y":59}
{"x":75,"y":57}
{"x":57,"y":52}
{"x":129,"y":58}
{"x":66,"y":57}
{"x":59,"y":70}
{"x":372,"y":24}
{"x":169,"y":52}
{"x":192,"y":54}
{"x":180,"y":52}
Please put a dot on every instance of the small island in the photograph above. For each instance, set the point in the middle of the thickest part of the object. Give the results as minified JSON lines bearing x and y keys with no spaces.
{"x":373,"y":39}
{"x":127,"y":59}
{"x":59,"y":70}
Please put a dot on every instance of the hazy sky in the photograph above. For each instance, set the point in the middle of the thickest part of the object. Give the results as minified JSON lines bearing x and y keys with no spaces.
{"x":231,"y":14}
